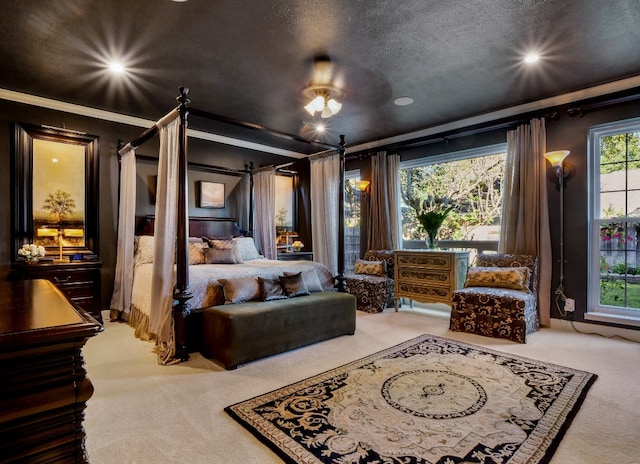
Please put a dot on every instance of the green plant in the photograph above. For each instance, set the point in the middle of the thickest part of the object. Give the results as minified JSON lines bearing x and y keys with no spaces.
{"x":432,"y":220}
{"x":624,"y":269}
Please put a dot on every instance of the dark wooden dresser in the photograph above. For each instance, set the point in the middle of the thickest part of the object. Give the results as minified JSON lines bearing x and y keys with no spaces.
{"x":296,"y":256}
{"x":43,"y":386}
{"x":79,"y":281}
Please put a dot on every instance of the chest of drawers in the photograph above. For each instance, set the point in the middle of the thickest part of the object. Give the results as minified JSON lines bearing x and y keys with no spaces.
{"x":429,"y":276}
{"x":44,"y":387}
{"x":80,"y":282}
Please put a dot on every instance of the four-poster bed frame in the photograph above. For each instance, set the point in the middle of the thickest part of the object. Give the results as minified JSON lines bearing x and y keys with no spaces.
{"x":182,"y":295}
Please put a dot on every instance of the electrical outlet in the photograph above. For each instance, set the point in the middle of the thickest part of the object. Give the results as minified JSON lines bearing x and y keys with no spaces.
{"x":569,"y":305}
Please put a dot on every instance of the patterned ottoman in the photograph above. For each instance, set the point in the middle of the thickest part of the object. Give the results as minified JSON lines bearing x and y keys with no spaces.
{"x":372,"y":292}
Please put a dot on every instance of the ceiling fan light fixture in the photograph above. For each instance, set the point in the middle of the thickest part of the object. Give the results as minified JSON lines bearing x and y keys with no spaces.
{"x":334,"y":105}
{"x":321,"y":94}
{"x":323,"y":99}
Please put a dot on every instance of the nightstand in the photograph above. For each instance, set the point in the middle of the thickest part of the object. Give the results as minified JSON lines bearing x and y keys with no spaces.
{"x":79,"y":281}
{"x":296,"y":256}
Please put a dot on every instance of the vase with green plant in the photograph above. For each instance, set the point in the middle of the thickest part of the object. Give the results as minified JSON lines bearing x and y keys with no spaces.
{"x":431,"y":220}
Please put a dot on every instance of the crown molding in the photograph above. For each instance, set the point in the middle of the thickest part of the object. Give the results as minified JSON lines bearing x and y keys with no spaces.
{"x":572,"y":97}
{"x":42,"y":102}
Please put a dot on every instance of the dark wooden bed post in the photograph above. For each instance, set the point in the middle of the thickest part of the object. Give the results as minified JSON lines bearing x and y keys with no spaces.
{"x":181,"y":309}
{"x":340,"y":277}
{"x":250,"y":169}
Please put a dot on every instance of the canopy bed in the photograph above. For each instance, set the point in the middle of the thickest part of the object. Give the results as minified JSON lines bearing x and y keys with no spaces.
{"x":156,"y":292}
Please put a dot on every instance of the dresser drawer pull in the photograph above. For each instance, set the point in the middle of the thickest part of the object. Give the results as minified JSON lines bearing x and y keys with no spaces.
{"x":62,"y":280}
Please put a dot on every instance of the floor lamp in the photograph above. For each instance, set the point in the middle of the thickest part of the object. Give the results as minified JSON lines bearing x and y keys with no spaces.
{"x":556,"y":159}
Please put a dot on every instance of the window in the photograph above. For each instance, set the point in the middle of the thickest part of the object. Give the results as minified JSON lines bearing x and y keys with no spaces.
{"x":614,"y":176}
{"x":470,"y":180}
{"x":352,"y":219}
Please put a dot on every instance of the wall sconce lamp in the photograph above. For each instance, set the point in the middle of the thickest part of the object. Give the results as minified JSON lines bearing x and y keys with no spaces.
{"x":556,"y":159}
{"x":362,"y":185}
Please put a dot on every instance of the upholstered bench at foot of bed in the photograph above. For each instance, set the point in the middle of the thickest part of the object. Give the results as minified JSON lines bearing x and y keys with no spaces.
{"x":238,"y":333}
{"x":494,"y":312}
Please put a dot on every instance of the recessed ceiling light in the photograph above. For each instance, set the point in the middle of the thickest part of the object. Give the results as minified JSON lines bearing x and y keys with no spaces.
{"x":403,"y":101}
{"x":532,"y":58}
{"x":116,"y":67}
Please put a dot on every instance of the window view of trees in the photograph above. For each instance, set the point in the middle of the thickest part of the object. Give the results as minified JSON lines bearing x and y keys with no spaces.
{"x":619,"y":222}
{"x":472,"y":186}
{"x":352,"y":219}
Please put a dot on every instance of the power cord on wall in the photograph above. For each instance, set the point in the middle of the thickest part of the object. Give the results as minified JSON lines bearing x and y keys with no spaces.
{"x":560,"y":296}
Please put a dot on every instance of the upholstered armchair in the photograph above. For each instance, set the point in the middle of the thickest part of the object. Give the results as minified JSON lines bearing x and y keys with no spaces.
{"x":372,"y":281}
{"x":499,"y":298}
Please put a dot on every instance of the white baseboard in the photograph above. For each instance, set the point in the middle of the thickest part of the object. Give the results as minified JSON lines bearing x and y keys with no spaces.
{"x":607,"y":331}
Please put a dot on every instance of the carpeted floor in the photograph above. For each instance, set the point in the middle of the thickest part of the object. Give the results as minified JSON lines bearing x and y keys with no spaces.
{"x":145,"y":413}
{"x":428,"y":400}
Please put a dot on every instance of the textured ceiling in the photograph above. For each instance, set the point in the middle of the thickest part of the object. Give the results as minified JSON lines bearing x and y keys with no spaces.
{"x":249,"y":60}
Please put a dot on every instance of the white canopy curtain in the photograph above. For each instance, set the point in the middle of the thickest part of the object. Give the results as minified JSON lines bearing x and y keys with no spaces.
{"x":123,"y":282}
{"x":383,"y":214}
{"x":160,"y":320}
{"x":264,"y":193}
{"x":325,"y":197}
{"x":525,"y":214}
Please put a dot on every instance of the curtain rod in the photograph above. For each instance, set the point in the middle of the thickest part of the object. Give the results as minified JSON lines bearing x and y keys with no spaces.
{"x":258,"y":127}
{"x":203,"y":167}
{"x":447,"y":136}
{"x":153,"y":130}
{"x":578,"y":108}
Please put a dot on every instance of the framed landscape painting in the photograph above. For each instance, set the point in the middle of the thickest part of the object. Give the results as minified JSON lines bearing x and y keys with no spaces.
{"x":211,"y":194}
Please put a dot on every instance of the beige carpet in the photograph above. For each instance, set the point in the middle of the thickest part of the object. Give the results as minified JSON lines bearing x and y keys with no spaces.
{"x":145,"y":413}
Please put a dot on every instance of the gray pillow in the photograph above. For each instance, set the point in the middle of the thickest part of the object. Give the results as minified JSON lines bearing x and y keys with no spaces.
{"x":271,"y":289}
{"x":293,"y":285}
{"x":240,"y":289}
{"x":220,"y":256}
{"x":311,"y":280}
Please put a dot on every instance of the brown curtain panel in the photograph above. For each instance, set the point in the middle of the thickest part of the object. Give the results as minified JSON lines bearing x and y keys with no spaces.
{"x":380,"y":237}
{"x":525,"y":213}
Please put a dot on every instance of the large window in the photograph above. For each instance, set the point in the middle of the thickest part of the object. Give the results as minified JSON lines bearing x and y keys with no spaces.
{"x":352,"y":219}
{"x":614,"y":171}
{"x":469,"y":180}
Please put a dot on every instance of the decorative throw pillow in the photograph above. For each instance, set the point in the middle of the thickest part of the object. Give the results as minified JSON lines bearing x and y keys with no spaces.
{"x":247,"y":248}
{"x":515,"y":278}
{"x":240,"y":289}
{"x":311,"y":280}
{"x":220,"y":256}
{"x":144,"y":249}
{"x":226,"y":244}
{"x":293,"y":285}
{"x":377,"y":268}
{"x":196,"y":253}
{"x":271,"y":289}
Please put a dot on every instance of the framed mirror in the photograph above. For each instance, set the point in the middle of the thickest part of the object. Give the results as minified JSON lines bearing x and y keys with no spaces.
{"x":55,"y":190}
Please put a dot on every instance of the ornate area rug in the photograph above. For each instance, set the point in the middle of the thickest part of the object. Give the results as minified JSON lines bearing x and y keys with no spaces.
{"x":428,"y":400}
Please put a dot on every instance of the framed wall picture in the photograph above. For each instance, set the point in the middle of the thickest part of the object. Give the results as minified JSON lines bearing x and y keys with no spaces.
{"x":55,"y":186}
{"x":211,"y":194}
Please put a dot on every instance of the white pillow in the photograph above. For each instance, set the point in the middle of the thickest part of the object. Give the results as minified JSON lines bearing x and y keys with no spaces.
{"x":247,"y":248}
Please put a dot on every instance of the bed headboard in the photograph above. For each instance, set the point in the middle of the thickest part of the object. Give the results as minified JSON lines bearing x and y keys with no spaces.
{"x":198,"y":226}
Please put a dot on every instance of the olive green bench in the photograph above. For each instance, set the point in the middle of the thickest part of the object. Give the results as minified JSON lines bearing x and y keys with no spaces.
{"x":235,"y":334}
